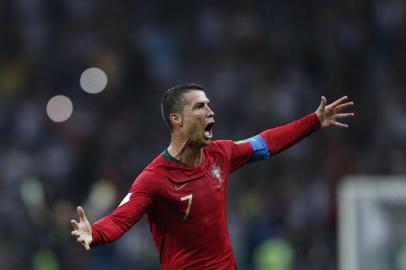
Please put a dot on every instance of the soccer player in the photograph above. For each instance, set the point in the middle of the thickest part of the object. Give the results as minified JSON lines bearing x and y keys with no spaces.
{"x":184,"y":190}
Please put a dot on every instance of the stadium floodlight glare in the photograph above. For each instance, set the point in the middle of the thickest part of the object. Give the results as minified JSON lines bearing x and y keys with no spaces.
{"x":59,"y":108}
{"x":93,"y":80}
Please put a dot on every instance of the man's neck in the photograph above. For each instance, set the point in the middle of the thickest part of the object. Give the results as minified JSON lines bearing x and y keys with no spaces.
{"x":181,"y":150}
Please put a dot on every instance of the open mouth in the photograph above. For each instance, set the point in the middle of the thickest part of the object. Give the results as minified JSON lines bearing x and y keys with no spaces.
{"x":208,"y":130}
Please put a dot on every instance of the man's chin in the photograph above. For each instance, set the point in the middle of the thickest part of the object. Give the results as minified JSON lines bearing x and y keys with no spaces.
{"x":206,"y":142}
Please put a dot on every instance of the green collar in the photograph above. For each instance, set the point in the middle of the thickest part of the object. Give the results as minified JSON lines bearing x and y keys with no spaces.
{"x":168,"y":157}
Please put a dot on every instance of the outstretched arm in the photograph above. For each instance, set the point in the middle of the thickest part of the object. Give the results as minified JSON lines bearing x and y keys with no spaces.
{"x":275,"y":140}
{"x":113,"y":226}
{"x":280,"y":138}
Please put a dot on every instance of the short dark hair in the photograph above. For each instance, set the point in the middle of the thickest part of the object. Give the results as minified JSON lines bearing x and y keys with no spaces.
{"x":173,"y":101}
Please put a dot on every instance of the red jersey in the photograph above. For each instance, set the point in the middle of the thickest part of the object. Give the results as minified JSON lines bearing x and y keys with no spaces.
{"x":186,"y":206}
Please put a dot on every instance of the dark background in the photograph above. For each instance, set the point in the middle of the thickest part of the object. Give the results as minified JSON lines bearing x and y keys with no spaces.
{"x":263,"y":63}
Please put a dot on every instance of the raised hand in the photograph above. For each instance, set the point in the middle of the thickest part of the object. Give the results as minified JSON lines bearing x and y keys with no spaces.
{"x":328,"y":114}
{"x":82,"y":230}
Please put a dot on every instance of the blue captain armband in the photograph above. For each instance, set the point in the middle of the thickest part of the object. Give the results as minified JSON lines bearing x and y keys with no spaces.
{"x":260,"y":148}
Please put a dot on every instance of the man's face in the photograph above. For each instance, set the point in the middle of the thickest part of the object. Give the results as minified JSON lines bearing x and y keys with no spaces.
{"x":197,"y":118}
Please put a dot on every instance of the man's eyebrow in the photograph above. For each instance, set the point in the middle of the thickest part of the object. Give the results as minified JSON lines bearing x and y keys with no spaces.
{"x":198,"y":104}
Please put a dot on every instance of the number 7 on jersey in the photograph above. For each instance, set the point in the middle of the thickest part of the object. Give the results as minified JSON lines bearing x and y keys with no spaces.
{"x":189,"y":204}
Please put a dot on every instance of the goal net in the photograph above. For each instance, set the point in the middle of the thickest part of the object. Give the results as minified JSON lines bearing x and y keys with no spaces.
{"x":372,"y":223}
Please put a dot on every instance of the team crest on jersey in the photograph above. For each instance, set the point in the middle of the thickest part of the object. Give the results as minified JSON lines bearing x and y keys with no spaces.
{"x":216,"y":173}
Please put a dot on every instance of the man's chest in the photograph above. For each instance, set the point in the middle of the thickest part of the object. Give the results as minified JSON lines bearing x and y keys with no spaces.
{"x":196,"y":201}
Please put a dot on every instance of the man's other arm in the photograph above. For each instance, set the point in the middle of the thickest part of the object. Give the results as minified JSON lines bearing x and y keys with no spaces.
{"x":110,"y":228}
{"x":113,"y":226}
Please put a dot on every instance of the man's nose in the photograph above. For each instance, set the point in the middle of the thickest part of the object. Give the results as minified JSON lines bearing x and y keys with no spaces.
{"x":211,"y":113}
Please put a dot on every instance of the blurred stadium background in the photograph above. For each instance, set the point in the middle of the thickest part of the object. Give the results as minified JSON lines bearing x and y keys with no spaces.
{"x":264,"y":63}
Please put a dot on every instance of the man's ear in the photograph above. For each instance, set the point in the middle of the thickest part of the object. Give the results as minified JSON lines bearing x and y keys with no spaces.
{"x":176,"y":119}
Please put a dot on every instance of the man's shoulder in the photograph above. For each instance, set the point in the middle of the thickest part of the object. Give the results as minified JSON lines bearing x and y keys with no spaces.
{"x":220,"y":143}
{"x":154,"y":169}
{"x":151,"y":177}
{"x":223,"y":146}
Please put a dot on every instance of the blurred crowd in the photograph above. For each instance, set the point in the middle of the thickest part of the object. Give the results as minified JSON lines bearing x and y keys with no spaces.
{"x":263,"y":63}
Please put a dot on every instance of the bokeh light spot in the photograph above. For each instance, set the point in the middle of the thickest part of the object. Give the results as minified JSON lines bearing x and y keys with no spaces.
{"x":59,"y":108}
{"x":93,"y":80}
